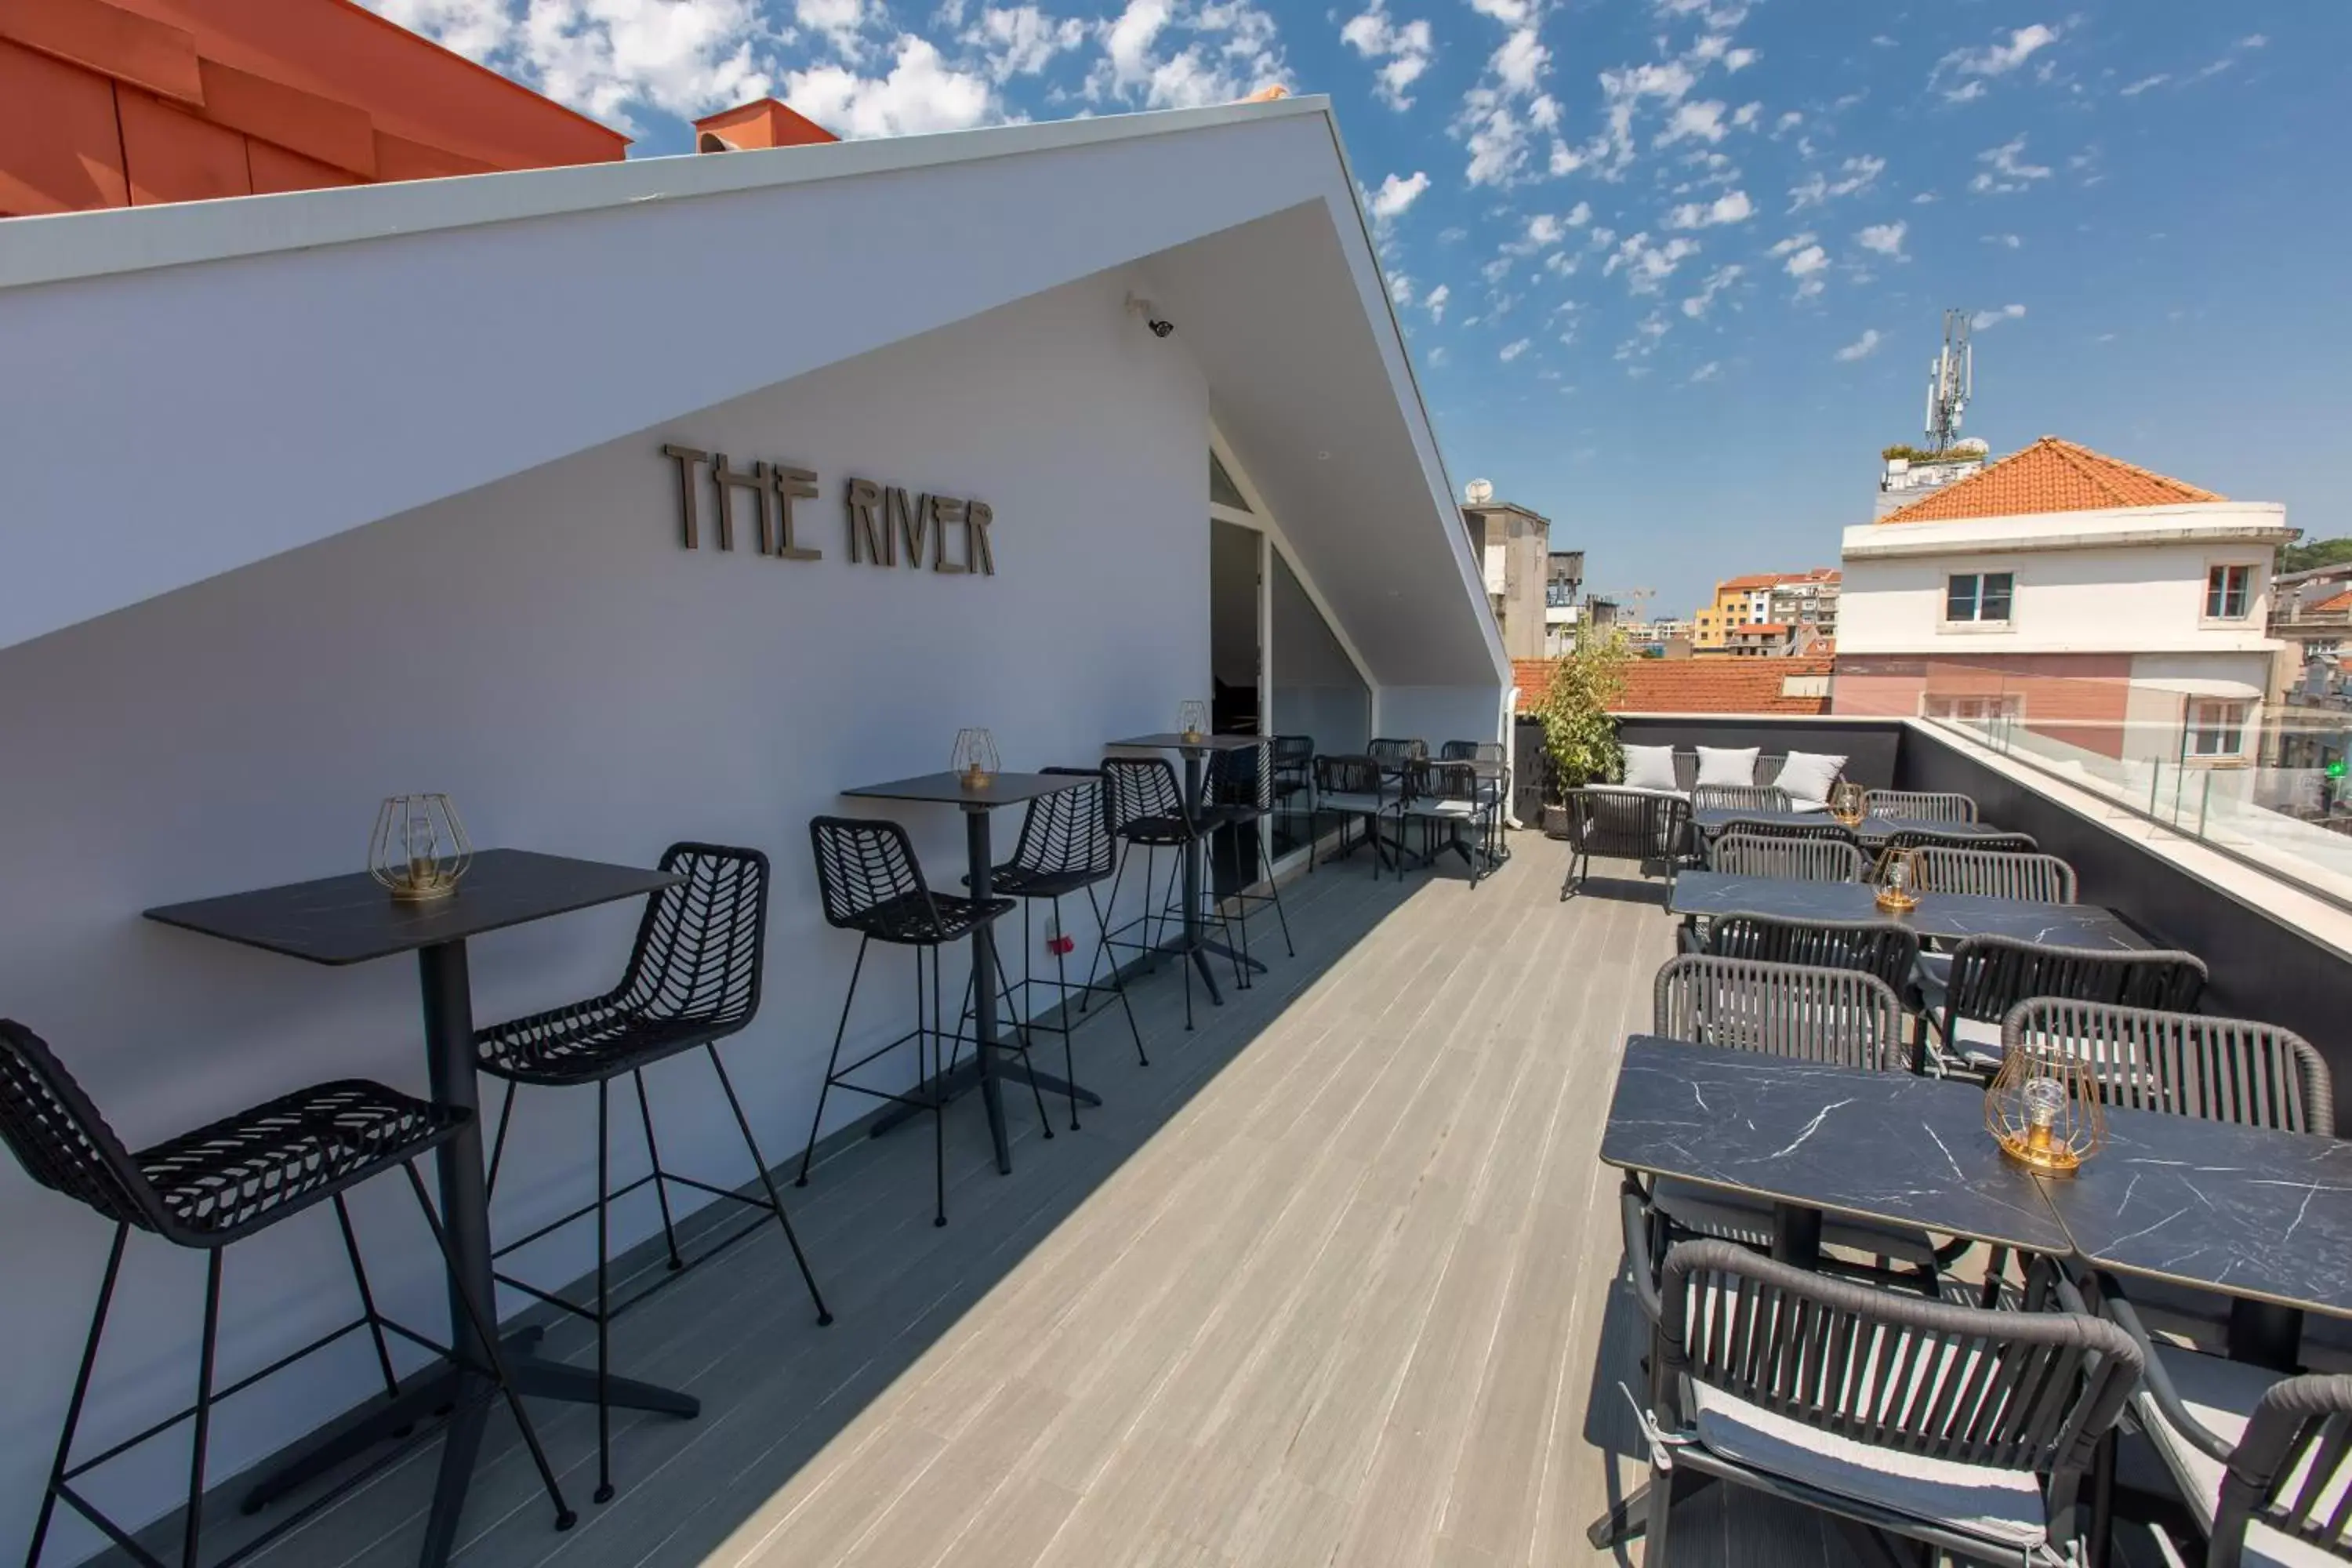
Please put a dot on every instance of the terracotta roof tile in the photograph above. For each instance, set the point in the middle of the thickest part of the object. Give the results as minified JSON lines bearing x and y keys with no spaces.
{"x":1706,"y":684}
{"x":2340,"y":601}
{"x":2050,"y":475}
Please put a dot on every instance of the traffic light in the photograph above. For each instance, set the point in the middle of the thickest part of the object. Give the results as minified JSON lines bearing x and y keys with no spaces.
{"x":2335,"y":769}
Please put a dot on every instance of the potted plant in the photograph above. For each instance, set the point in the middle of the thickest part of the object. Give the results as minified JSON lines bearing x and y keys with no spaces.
{"x":1579,"y":732}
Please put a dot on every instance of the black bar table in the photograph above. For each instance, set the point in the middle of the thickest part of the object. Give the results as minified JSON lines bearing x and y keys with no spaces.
{"x":1871,"y":831}
{"x":986,"y":1072}
{"x":1194,"y":944}
{"x":1810,"y":1136}
{"x":349,"y":920}
{"x":1947,"y":917}
{"x":2260,"y":1216}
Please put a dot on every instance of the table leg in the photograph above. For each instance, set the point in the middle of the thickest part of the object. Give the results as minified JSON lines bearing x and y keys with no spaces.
{"x":1797,"y":1234}
{"x":983,"y":989}
{"x":2265,"y":1335}
{"x":1194,"y":853}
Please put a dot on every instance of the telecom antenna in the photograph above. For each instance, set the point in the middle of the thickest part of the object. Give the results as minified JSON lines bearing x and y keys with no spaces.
{"x":1951,"y":378}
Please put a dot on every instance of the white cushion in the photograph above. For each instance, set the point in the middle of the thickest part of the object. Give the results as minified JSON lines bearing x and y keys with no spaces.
{"x":1366,"y":804}
{"x":1808,"y":775}
{"x":1650,"y":768}
{"x":2221,"y":1394}
{"x":2001,"y":1505}
{"x":1727,"y":765}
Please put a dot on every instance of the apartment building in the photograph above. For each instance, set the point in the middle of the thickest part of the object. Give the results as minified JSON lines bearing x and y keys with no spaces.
{"x":1782,"y":599}
{"x":1513,"y":545}
{"x":2080,"y":599}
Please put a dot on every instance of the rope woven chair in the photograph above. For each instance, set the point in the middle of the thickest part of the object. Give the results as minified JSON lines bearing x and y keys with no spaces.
{"x":870,"y":883}
{"x":207,"y":1189}
{"x":2223,"y":1070}
{"x":1451,"y":795}
{"x":1983,"y":843}
{"x":1066,"y":847}
{"x":1629,"y":824}
{"x":1826,"y":830}
{"x":1881,"y":947}
{"x":1294,"y":772}
{"x":1996,"y":873}
{"x":692,"y":980}
{"x":1792,"y":859}
{"x":1739,"y":797}
{"x":1920,"y":805}
{"x":1964,"y":1007}
{"x":1358,"y":789}
{"x":1493,"y":760}
{"x":1969,"y":1430}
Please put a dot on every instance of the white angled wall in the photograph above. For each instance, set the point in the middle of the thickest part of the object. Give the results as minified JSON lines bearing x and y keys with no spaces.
{"x":545,"y":650}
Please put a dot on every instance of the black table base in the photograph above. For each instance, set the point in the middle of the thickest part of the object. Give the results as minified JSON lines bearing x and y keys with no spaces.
{"x":957,"y":1082}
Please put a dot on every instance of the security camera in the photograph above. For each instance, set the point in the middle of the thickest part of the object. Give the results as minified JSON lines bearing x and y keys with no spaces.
{"x":1139,"y":306}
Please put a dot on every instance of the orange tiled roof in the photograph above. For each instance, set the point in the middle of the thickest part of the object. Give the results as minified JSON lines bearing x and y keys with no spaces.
{"x":2050,"y":475}
{"x":1761,"y":628}
{"x":2340,"y":601}
{"x":1708,"y":684}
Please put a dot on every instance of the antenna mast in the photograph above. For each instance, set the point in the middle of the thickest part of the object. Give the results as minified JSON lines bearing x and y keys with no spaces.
{"x":1951,"y":377}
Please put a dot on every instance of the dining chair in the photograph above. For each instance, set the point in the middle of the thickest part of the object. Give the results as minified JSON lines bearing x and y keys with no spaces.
{"x":1239,"y":795}
{"x":1996,"y":874}
{"x":1451,"y":795}
{"x":1357,"y":789}
{"x":1983,"y":843}
{"x":1879,"y":947}
{"x":1634,"y":824}
{"x":2223,"y":1070}
{"x":692,"y":980}
{"x":1840,"y":1015}
{"x":1823,"y":829}
{"x":1963,"y":1006}
{"x":1968,"y":1430}
{"x":205,"y":1190}
{"x":1790,"y":859}
{"x":1149,"y":811}
{"x":1920,"y":806}
{"x":1739,"y":797}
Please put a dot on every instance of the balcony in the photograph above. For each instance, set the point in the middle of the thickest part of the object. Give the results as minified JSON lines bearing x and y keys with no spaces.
{"x":1336,"y":1280}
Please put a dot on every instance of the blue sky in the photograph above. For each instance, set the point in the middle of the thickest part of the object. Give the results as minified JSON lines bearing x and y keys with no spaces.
{"x":1673,"y":269}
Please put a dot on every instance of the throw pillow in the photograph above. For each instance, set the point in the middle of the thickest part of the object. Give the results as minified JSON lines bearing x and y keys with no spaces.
{"x":1650,"y":767}
{"x":1725,"y":765}
{"x":1808,"y":776}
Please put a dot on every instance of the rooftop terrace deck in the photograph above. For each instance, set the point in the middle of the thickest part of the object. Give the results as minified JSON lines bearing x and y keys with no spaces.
{"x":1331,"y":1282}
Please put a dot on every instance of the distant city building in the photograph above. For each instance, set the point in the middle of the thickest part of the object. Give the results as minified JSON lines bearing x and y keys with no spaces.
{"x":1563,"y":599}
{"x":1907,"y":479}
{"x":1514,"y":546}
{"x":2103,"y":609}
{"x":1786,"y":599}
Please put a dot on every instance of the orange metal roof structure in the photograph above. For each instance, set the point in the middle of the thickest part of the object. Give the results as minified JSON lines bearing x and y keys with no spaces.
{"x":110,"y":103}
{"x":2050,"y":475}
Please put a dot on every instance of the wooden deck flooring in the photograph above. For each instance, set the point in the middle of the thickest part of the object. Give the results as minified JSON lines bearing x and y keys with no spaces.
{"x":1331,"y":1282}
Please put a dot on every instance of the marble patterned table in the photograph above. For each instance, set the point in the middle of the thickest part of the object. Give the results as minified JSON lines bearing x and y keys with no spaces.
{"x":1947,"y":917}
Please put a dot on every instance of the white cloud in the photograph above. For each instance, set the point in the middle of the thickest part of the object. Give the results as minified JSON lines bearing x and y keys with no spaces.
{"x":1744,"y":117}
{"x":1805,"y":263}
{"x":1793,"y":243}
{"x":1711,"y":371}
{"x":1400,"y":288}
{"x":1510,"y":13}
{"x":1647,"y":265}
{"x":1962,"y":74}
{"x":607,"y":59}
{"x":1740,"y":59}
{"x":1022,"y":40}
{"x":2006,"y":169}
{"x":2132,"y":90}
{"x":1403,"y":49}
{"x":1861,"y":347}
{"x":1491,"y":123}
{"x":1396,"y":194}
{"x":920,"y":93}
{"x":1984,"y":319}
{"x":839,"y":20}
{"x":1513,"y":350}
{"x":1885,"y":238}
{"x":1788,"y":122}
{"x":1622,"y":93}
{"x":1434,"y":301}
{"x":2007,"y":241}
{"x":1857,"y":173}
{"x":1229,"y":50}
{"x":1521,"y":62}
{"x":1716,"y":282}
{"x":1703,"y":119}
{"x":1732,"y":206}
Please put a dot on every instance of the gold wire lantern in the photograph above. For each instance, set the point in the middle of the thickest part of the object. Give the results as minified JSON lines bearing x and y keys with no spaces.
{"x":419,"y":848}
{"x":1898,"y":881}
{"x":1192,"y":718}
{"x":975,"y":757}
{"x":2044,"y":1111}
{"x":1848,"y":803}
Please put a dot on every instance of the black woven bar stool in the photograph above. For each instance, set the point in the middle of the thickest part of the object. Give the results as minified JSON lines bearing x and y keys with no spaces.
{"x":873,"y":885}
{"x":693,"y":979}
{"x":203,"y":1190}
{"x":1147,"y":811}
{"x":1240,"y":794}
{"x":1065,"y":848}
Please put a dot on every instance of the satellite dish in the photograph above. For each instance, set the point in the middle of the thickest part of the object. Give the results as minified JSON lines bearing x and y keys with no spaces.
{"x":1479,"y":492}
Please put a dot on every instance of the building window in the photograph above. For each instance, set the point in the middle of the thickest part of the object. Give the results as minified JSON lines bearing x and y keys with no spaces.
{"x":2229,"y":593}
{"x":1978,"y":596}
{"x":2000,"y":705}
{"x":2216,"y":729}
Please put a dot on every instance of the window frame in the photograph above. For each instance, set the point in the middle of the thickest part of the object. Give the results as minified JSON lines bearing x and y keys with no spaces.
{"x":2252,"y":592}
{"x":1978,"y":620}
{"x":2235,"y":718}
{"x":2003,"y":706}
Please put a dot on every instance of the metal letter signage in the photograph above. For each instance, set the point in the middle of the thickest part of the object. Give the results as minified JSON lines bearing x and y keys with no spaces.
{"x":881,"y":518}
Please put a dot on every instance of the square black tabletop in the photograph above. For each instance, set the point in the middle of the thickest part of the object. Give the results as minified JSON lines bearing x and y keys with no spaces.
{"x":2242,"y":1210}
{"x":1002,"y":789}
{"x":1946,"y":916}
{"x":1886,"y":1146}
{"x":348,"y":919}
{"x":1870,"y":830}
{"x":1176,"y":742}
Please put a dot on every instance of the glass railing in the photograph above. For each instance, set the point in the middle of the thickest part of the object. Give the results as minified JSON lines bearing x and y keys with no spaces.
{"x":2200,"y":752}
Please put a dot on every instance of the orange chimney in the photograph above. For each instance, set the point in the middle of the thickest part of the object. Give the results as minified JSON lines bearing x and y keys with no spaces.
{"x":763,"y":122}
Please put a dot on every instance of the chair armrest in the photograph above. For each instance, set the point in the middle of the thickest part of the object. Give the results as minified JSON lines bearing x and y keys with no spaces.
{"x":2117,"y":1309}
{"x":1633,"y":1209}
